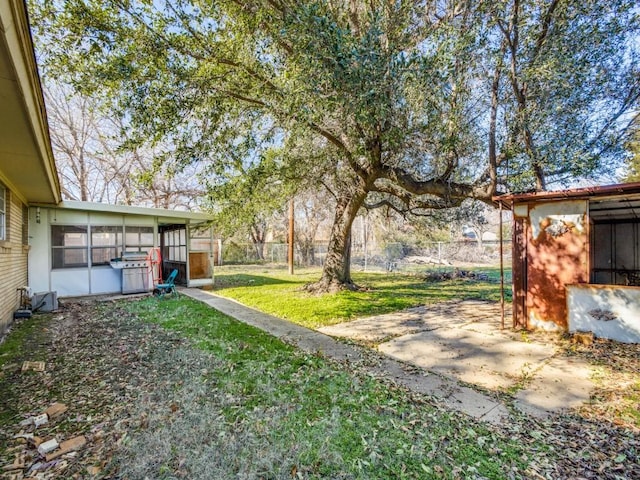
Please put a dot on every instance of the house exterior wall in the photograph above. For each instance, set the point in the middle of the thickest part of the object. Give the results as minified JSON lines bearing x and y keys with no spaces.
{"x":13,"y":260}
{"x":553,"y":253}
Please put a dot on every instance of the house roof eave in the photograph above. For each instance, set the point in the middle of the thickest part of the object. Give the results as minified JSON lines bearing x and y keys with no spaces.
{"x":161,"y":213}
{"x":26,"y":159}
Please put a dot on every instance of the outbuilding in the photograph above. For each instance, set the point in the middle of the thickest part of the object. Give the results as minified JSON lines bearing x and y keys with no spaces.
{"x":576,"y":260}
{"x":80,"y":248}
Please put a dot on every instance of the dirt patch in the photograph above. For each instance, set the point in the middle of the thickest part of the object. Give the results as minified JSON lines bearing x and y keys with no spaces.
{"x":96,"y":366}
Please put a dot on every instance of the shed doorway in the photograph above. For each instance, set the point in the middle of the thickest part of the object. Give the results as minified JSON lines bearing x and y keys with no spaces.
{"x":615,"y":241}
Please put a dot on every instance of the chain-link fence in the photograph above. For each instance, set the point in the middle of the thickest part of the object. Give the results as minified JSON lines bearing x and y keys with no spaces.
{"x":390,"y":257}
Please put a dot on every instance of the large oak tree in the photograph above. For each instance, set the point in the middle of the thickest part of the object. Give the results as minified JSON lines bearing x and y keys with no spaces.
{"x":406,"y":104}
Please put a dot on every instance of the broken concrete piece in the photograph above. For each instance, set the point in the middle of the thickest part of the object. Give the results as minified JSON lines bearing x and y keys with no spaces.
{"x":71,"y":445}
{"x":48,"y":446}
{"x":40,"y":420}
{"x":56,"y":409}
{"x":35,"y":366}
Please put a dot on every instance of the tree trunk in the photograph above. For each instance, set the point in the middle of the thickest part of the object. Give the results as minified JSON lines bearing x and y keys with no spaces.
{"x":259,"y":248}
{"x":258,"y":236}
{"x":336,"y":271}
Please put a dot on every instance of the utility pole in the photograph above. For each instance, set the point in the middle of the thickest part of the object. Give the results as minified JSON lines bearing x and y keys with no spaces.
{"x":291,"y":225}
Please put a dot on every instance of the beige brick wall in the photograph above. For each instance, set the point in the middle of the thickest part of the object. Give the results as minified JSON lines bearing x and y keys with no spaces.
{"x":13,"y":261}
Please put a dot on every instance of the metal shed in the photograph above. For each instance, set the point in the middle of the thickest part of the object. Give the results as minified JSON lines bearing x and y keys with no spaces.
{"x":576,"y":260}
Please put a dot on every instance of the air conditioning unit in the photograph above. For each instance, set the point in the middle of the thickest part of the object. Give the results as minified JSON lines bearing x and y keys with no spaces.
{"x":44,"y":302}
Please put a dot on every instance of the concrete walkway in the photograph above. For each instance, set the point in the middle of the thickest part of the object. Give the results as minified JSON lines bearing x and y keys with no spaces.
{"x":455,"y":345}
{"x":450,"y":392}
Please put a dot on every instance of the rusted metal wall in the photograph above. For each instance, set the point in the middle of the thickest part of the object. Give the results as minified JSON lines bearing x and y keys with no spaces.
{"x":556,"y":256}
{"x":519,"y":271}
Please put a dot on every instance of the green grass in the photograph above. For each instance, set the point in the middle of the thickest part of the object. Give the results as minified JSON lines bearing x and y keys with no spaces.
{"x":284,"y":412}
{"x":280,"y":294}
{"x":629,"y":405}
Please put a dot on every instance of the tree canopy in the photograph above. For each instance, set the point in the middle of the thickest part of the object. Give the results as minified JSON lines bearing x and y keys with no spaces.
{"x":632,"y":164}
{"x":411,"y":105}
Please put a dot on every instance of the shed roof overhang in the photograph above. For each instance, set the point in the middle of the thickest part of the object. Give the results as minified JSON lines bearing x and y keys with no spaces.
{"x":27,"y":166}
{"x":608,"y":202}
{"x":628,"y":190}
{"x":169,"y":217}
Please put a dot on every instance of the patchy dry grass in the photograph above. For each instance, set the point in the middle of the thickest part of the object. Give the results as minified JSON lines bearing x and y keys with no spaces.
{"x":250,"y":406}
{"x":617,"y":393}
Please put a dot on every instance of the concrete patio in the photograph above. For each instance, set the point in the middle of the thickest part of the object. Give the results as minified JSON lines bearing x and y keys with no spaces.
{"x":464,"y":341}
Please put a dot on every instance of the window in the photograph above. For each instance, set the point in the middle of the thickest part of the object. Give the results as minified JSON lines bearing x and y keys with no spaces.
{"x":69,"y":246}
{"x":138,"y":239}
{"x":3,"y":212}
{"x":105,"y":244}
{"x":175,"y":242}
{"x":201,"y":239}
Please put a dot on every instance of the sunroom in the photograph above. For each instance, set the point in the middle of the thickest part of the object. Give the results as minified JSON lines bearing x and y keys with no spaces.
{"x":83,"y":248}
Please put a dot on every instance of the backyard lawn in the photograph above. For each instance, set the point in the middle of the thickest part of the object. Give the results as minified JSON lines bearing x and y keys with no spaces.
{"x":276,"y":292}
{"x":174,"y":389}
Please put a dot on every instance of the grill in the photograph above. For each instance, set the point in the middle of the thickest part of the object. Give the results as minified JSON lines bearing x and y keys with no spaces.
{"x":135,"y":272}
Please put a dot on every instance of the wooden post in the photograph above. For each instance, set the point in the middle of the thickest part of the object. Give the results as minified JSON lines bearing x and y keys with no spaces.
{"x":291,"y":237}
{"x":501,"y":273}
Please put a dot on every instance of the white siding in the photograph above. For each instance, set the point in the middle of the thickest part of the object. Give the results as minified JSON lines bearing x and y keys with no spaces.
{"x":39,"y":251}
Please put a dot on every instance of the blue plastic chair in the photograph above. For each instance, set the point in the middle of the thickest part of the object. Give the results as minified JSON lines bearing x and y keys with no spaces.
{"x":169,"y":286}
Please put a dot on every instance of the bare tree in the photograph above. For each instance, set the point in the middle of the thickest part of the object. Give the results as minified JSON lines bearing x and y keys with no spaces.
{"x":86,"y":144}
{"x":76,"y":141}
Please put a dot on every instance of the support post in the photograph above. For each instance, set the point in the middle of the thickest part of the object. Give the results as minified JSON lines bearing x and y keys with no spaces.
{"x":501,"y":273}
{"x":291,"y":237}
